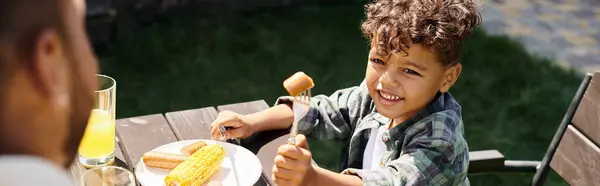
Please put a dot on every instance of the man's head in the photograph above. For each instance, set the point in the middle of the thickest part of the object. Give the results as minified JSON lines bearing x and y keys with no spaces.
{"x":415,"y":46}
{"x":46,"y":78}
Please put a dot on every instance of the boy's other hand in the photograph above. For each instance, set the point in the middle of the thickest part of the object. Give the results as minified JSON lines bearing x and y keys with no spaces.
{"x":293,"y":164}
{"x":236,"y":124}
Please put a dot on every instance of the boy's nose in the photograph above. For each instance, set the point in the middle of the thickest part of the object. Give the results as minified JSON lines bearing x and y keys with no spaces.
{"x":389,"y":78}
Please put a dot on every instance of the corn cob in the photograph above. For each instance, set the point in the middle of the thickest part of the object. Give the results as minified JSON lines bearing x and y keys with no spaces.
{"x":198,"y":168}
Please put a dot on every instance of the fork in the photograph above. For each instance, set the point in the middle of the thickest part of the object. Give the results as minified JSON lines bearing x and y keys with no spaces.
{"x":301,"y":105}
{"x":222,"y":130}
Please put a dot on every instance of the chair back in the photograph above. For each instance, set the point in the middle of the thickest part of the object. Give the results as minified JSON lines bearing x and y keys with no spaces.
{"x":574,"y":152}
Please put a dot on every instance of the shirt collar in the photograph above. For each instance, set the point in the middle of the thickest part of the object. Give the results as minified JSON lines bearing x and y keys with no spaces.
{"x":443,"y":101}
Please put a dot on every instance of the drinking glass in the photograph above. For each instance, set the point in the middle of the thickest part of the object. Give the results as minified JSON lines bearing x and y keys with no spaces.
{"x":98,"y":144}
{"x":107,"y":176}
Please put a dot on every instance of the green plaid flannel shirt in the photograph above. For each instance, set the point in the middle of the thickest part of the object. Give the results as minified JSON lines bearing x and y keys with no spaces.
{"x":428,"y":149}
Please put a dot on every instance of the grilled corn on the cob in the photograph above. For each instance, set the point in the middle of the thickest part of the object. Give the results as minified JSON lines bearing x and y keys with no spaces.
{"x":198,"y":168}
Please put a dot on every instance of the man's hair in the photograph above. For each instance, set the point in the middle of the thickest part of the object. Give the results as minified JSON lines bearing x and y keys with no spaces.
{"x":441,"y":25}
{"x":21,"y":21}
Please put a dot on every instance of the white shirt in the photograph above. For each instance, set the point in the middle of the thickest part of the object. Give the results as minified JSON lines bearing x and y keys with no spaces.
{"x":30,"y":170}
{"x":375,"y":149}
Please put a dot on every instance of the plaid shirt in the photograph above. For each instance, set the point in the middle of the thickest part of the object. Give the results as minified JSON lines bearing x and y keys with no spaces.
{"x":428,"y":149}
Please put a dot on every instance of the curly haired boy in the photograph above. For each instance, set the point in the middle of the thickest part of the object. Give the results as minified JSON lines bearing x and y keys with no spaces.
{"x":401,"y":125}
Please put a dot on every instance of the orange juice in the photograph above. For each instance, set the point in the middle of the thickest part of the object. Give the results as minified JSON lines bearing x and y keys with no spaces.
{"x":99,"y":137}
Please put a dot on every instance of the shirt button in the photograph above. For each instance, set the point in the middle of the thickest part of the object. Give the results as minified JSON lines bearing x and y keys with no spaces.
{"x":381,"y":164}
{"x":385,"y":138}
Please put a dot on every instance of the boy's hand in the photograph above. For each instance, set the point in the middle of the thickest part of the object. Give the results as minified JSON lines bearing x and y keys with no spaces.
{"x":238,"y":127}
{"x":293,"y":164}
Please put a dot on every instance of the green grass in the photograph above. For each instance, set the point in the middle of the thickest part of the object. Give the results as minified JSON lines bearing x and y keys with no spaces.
{"x":512,"y":101}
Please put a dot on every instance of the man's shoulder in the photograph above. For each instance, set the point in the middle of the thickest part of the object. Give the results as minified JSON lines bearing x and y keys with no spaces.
{"x":18,"y":170}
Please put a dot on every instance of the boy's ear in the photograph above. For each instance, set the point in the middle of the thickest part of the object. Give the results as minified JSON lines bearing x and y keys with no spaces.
{"x":450,"y":77}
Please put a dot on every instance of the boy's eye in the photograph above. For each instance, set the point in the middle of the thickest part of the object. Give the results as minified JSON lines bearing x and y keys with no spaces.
{"x":377,"y":61}
{"x":409,"y":71}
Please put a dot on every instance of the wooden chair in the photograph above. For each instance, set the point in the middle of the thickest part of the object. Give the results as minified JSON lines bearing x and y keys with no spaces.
{"x":574,"y":152}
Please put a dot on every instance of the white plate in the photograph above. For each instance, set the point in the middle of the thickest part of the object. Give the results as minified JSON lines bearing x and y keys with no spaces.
{"x":239,"y":167}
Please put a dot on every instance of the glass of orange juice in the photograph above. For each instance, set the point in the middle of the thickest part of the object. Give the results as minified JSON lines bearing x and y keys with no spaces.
{"x":98,"y":144}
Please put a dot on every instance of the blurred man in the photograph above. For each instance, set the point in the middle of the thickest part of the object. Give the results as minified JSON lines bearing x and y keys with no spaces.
{"x":46,"y":89}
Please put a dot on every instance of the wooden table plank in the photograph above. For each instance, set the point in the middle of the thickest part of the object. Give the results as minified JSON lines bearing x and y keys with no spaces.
{"x":256,"y":141}
{"x":119,"y":152}
{"x":141,"y":134}
{"x":77,"y":169}
{"x":245,"y":107}
{"x":192,"y":124}
{"x":577,"y":159}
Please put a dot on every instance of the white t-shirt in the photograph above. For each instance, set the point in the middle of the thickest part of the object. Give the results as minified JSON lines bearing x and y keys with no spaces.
{"x":375,"y":149}
{"x":31,"y":171}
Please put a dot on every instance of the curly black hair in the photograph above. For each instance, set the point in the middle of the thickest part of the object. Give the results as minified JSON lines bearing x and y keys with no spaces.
{"x":441,"y":25}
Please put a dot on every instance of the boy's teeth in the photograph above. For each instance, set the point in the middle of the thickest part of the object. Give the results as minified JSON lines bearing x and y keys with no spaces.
{"x":390,"y":97}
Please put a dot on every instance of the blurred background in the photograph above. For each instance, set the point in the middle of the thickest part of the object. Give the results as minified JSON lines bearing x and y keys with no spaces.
{"x":521,"y":68}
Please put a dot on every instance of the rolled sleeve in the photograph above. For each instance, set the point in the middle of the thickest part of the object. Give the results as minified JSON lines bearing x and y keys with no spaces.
{"x":306,"y":124}
{"x":398,"y":172}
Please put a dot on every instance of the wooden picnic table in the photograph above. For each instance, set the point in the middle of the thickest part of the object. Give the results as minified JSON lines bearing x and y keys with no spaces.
{"x":138,"y":135}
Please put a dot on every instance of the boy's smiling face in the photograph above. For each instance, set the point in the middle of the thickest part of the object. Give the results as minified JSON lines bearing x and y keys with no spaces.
{"x":401,"y":84}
